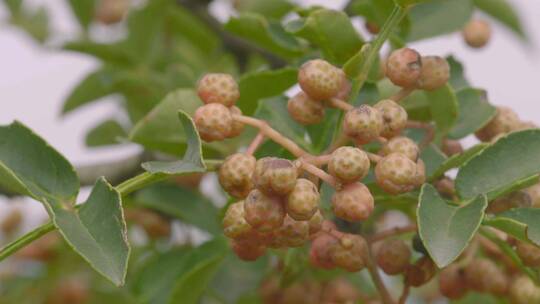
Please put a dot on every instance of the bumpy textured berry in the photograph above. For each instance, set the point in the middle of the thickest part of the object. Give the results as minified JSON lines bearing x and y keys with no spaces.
{"x":213,"y":121}
{"x":403,"y":67}
{"x":350,"y":252}
{"x":353,"y":202}
{"x":235,"y":225}
{"x":421,"y":272}
{"x":483,"y":275}
{"x":316,"y":222}
{"x":292,"y":233}
{"x":364,"y":124}
{"x":303,"y":201}
{"x":393,"y":256}
{"x":275,"y":176}
{"x":262,"y":212}
{"x":248,"y":250}
{"x":452,"y":282}
{"x":396,"y":173}
{"x":345,"y":90}
{"x":235,"y":174}
{"x":435,"y":73}
{"x":403,"y":145}
{"x":322,"y":249}
{"x":534,"y":193}
{"x":236,"y":127}
{"x":394,"y":117}
{"x":505,"y":121}
{"x":305,"y":110}
{"x":524,"y":291}
{"x":477,"y":33}
{"x":529,"y":254}
{"x":451,"y":147}
{"x":218,"y":88}
{"x":320,"y":80}
{"x":348,"y":164}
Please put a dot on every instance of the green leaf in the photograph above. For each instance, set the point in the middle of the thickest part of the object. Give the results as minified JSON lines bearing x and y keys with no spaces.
{"x":201,"y":266}
{"x":457,"y":74}
{"x":188,"y":206}
{"x":192,"y":161}
{"x":35,"y":23}
{"x":438,"y":17}
{"x":97,"y":231}
{"x":407,"y":3}
{"x":444,"y":108}
{"x":521,"y":223}
{"x":446,"y":229}
{"x":95,"y":85}
{"x":504,"y":12}
{"x":456,"y":161}
{"x":106,"y":133}
{"x":263,"y":84}
{"x":475,"y":298}
{"x":374,"y":11}
{"x":185,"y":24}
{"x":274,"y":111}
{"x":160,"y":129}
{"x":272,"y":9}
{"x":83,"y":10}
{"x":28,"y":165}
{"x":264,"y":33}
{"x":474,"y":112}
{"x":511,"y":159}
{"x":113,"y":54}
{"x":333,"y":32}
{"x":433,"y":158}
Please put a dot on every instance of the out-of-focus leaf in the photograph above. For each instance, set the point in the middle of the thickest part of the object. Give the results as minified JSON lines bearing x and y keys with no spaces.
{"x":186,"y":205}
{"x":192,"y":162}
{"x":94,"y":86}
{"x":113,"y":54}
{"x":200,"y":268}
{"x":504,"y":12}
{"x":433,"y":158}
{"x":513,"y":159}
{"x":444,"y":108}
{"x":457,"y":160}
{"x":35,"y":23}
{"x":184,"y":23}
{"x":106,"y":133}
{"x":333,"y":33}
{"x":407,"y":3}
{"x":272,"y":9}
{"x":521,"y":223}
{"x":267,"y":34}
{"x":457,"y":74}
{"x":374,"y":11}
{"x":263,"y":84}
{"x":446,"y":229}
{"x":83,"y":10}
{"x":474,"y":112}
{"x":14,"y":6}
{"x":438,"y":17}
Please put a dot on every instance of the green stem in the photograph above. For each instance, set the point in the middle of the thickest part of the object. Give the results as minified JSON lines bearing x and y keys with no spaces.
{"x":395,"y":17}
{"x":26,"y":239}
{"x":124,"y":188}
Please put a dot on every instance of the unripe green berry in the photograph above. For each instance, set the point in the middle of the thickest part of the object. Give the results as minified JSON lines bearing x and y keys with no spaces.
{"x":292,"y":233}
{"x":364,"y":124}
{"x":393,"y":256}
{"x":403,"y":145}
{"x":396,"y":173}
{"x":435,"y":73}
{"x":275,"y":176}
{"x":394,"y":117}
{"x":505,"y":121}
{"x":218,"y":88}
{"x":477,"y":33}
{"x":235,"y":225}
{"x":348,"y":164}
{"x":303,"y":201}
{"x":529,"y":254}
{"x":452,"y":282}
{"x":264,"y":213}
{"x":236,"y":127}
{"x":247,"y":250}
{"x":403,"y":67}
{"x":305,"y":110}
{"x":524,"y":291}
{"x":353,"y":202}
{"x":320,"y":80}
{"x":235,"y":174}
{"x":322,"y":249}
{"x":350,"y":253}
{"x":213,"y":122}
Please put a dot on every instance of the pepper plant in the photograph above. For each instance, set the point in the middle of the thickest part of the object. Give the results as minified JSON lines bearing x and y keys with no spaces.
{"x":338,"y":154}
